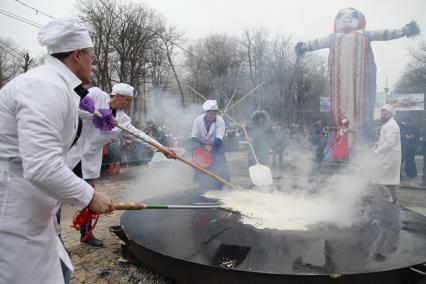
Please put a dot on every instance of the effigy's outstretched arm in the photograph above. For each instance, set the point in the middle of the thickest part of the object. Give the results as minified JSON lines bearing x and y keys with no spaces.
{"x":409,"y":30}
{"x":303,"y":47}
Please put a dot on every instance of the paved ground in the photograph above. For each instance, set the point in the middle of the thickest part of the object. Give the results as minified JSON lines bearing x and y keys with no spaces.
{"x":100,"y":265}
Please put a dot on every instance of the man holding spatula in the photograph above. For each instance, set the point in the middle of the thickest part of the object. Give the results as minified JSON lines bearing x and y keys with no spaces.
{"x":207,"y":143}
{"x":38,"y":124}
{"x":85,"y":157}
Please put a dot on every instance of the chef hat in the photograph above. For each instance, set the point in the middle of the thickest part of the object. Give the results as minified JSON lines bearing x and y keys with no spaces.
{"x":63,"y":35}
{"x":122,"y":89}
{"x":389,"y":108}
{"x":210,"y":105}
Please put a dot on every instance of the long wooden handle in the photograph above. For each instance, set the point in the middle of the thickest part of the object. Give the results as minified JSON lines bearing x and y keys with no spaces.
{"x":251,"y":145}
{"x":129,"y":206}
{"x":251,"y":92}
{"x":141,"y":206}
{"x":165,"y":150}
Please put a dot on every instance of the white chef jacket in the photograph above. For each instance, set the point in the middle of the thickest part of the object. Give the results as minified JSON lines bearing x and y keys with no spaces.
{"x":388,"y":154}
{"x":199,"y":130}
{"x":88,"y":148}
{"x":38,"y":123}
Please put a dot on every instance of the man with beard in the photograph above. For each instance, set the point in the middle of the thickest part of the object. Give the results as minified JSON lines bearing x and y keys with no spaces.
{"x":388,"y":154}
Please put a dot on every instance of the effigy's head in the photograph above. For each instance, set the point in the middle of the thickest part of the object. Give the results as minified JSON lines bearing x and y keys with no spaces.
{"x":344,"y":122}
{"x":349,"y":20}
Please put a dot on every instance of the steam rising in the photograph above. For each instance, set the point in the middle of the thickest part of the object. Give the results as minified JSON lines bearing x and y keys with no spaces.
{"x":163,"y":107}
{"x":299,"y":200}
{"x":305,"y":200}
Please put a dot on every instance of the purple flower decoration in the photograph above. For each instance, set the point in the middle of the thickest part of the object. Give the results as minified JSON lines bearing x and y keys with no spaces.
{"x":87,"y":104}
{"x":105,"y":122}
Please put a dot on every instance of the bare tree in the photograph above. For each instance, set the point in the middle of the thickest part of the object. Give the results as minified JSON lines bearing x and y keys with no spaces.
{"x":198,"y":70}
{"x":281,"y":63}
{"x":103,"y":24}
{"x":170,"y":38}
{"x":222,"y":65}
{"x":257,"y":49}
{"x":27,"y":62}
{"x":128,"y":46}
{"x":10,"y":61}
{"x":413,"y":80}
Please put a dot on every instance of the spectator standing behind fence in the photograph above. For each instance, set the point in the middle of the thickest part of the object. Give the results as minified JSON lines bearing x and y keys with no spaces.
{"x":318,"y":141}
{"x":159,"y":135}
{"x":409,"y":140}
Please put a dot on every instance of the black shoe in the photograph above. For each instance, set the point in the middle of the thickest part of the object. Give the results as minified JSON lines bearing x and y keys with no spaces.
{"x":92,"y":241}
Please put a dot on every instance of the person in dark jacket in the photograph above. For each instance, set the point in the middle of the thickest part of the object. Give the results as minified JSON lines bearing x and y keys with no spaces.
{"x":318,"y":141}
{"x":278,"y":146}
{"x":423,"y":151}
{"x":261,"y":134}
{"x":409,"y":140}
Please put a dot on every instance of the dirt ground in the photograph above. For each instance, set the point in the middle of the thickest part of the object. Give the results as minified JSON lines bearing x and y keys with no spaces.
{"x":101,"y":265}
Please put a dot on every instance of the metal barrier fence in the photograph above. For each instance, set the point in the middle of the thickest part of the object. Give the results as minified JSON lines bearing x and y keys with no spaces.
{"x":126,"y":153}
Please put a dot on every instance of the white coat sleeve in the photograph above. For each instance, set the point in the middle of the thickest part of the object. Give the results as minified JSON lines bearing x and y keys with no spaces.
{"x":220,"y":128}
{"x":125,"y":122}
{"x":40,"y":129}
{"x":85,"y":116}
{"x":390,"y":140}
{"x":196,"y":129}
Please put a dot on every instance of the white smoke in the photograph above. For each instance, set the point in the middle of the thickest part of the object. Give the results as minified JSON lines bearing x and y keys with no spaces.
{"x":305,"y":200}
{"x":164,"y":107}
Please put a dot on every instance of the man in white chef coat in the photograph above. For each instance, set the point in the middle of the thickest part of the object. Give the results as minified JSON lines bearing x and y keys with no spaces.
{"x":208,"y":130}
{"x":388,"y":154}
{"x":121,"y":98}
{"x":85,"y":157}
{"x":38,"y":124}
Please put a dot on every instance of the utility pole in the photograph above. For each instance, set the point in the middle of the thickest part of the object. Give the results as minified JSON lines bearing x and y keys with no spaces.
{"x":386,"y":90}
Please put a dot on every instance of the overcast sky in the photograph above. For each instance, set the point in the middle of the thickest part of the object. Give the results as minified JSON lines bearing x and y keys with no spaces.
{"x":304,"y":19}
